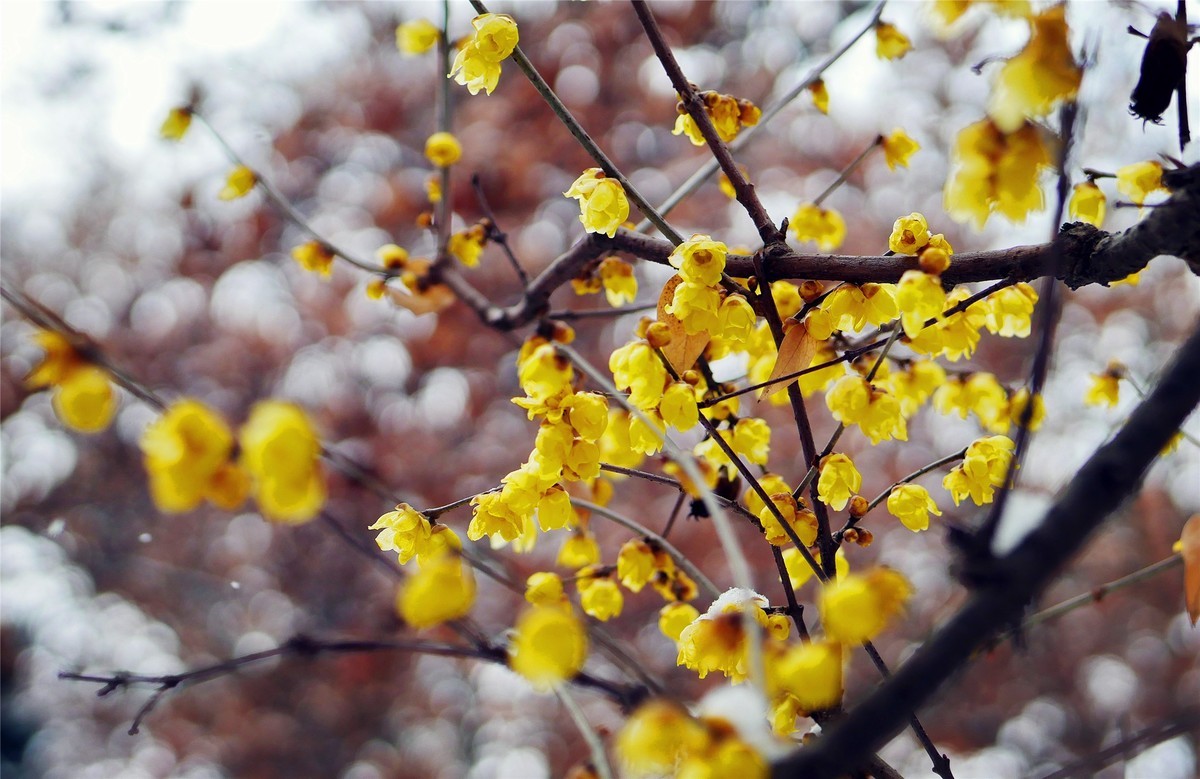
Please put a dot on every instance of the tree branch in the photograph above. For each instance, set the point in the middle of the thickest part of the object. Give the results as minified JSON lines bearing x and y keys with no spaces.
{"x":1105,"y":481}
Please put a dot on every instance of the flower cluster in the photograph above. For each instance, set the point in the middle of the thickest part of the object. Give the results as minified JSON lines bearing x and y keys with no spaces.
{"x":728,"y":114}
{"x":83,"y":397}
{"x":660,"y":738}
{"x":477,"y":64}
{"x":984,"y":467}
{"x":281,"y":452}
{"x":697,"y":299}
{"x":854,"y":401}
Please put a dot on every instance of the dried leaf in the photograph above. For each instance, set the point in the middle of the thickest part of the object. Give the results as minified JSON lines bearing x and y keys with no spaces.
{"x":683,"y":350}
{"x":795,"y":354}
{"x":1190,"y":541}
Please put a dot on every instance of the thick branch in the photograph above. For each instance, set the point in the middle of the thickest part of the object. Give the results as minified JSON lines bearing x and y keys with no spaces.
{"x":1089,"y":256}
{"x":1106,"y":480}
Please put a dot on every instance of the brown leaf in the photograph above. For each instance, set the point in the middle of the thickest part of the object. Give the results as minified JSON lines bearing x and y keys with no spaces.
{"x":683,"y":350}
{"x":795,"y":354}
{"x":1190,"y":541}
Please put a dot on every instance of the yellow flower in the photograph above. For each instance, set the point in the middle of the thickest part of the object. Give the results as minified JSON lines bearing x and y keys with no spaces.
{"x":1009,"y":310}
{"x":911,"y":504}
{"x":578,"y":551}
{"x":674,"y":617}
{"x":799,"y":571}
{"x":467,"y":245}
{"x":839,"y":480}
{"x":811,"y":673}
{"x":442,"y":149}
{"x":638,"y":370}
{"x":545,"y":588}
{"x":495,"y":36}
{"x":752,"y":440}
{"x":848,"y":399}
{"x":678,"y":407}
{"x":858,"y":607}
{"x":602,"y":203}
{"x":314,"y":256}
{"x":735,"y":320}
{"x":433,"y":188}
{"x":238,"y":184}
{"x":898,"y":147}
{"x":83,"y":394}
{"x":996,"y":172}
{"x":549,"y":646}
{"x":1087,"y":203}
{"x":184,"y":452}
{"x":983,"y":468}
{"x":1139,"y":180}
{"x":728,"y":115}
{"x":913,"y":385}
{"x":555,"y":510}
{"x":1105,"y":388}
{"x":890,"y":43}
{"x":442,"y":589}
{"x":417,"y":37}
{"x":477,"y":64}
{"x":699,"y":260}
{"x":1044,"y":73}
{"x":883,"y":420}
{"x":599,"y":595}
{"x":404,"y":531}
{"x":686,"y":125}
{"x":281,"y":451}
{"x":587,"y":414}
{"x":635,"y":564}
{"x":697,"y":306}
{"x":820,"y":95}
{"x":909,"y":234}
{"x":656,"y":736}
{"x":85,"y":400}
{"x":392,"y":257}
{"x":620,"y":285}
{"x":821,"y":225}
{"x":920,"y":297}
{"x":543,"y":372}
{"x":176,"y":125}
{"x":853,"y":307}
{"x":797,"y":516}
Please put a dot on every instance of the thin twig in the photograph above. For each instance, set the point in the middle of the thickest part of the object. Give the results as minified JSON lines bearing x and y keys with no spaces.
{"x":845,"y":174}
{"x":595,"y":745}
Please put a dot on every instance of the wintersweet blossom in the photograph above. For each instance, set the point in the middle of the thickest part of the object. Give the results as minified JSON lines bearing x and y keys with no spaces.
{"x":1139,"y":180}
{"x":185,"y":451}
{"x":442,"y":589}
{"x":442,"y":149}
{"x":857,"y":607}
{"x":314,"y":256}
{"x":620,"y":285}
{"x":996,"y":172}
{"x":824,"y":226}
{"x":912,"y":505}
{"x":898,"y":147}
{"x":281,"y":452}
{"x":83,"y":395}
{"x":549,"y":645}
{"x":1087,"y":203}
{"x":602,"y":202}
{"x":890,"y":43}
{"x":477,"y":64}
{"x":417,"y":36}
{"x":839,"y":480}
{"x":1041,"y":75}
{"x":404,"y":531}
{"x":176,"y":125}
{"x":909,"y":234}
{"x":238,"y":184}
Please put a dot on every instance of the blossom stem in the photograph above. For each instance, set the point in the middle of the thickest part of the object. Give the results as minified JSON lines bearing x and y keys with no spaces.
{"x":590,"y":736}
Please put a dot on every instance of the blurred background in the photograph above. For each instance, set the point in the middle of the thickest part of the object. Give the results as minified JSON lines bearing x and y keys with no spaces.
{"x":121,"y":233}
